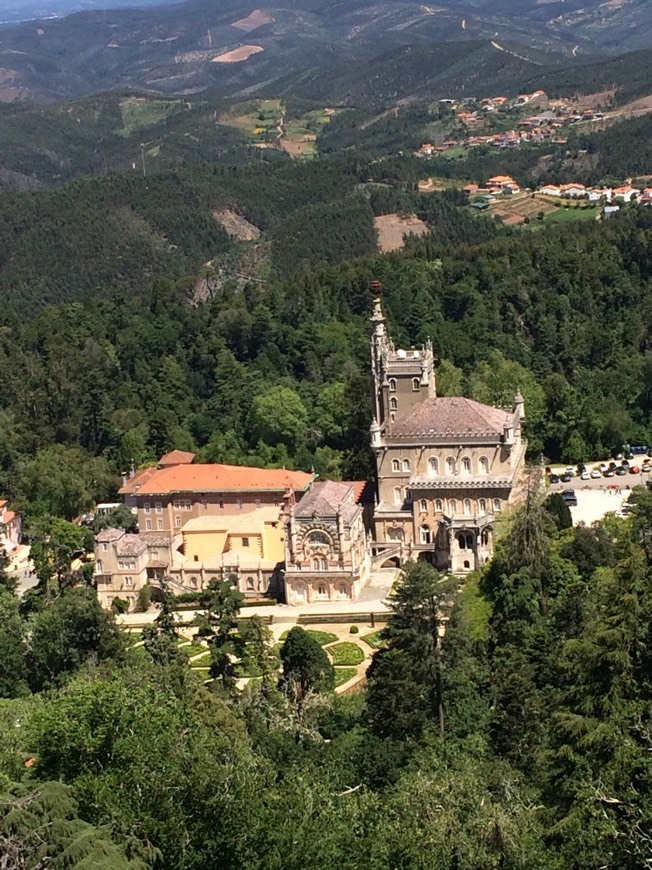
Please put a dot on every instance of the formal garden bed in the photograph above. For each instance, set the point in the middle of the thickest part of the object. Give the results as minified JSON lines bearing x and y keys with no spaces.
{"x":346,"y":653}
{"x":373,"y":640}
{"x":322,"y":637}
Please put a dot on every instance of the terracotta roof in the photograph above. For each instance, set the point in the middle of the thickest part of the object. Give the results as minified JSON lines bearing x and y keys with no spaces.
{"x":108,"y":535}
{"x":7,"y":517}
{"x":327,"y":499}
{"x":452,"y":416}
{"x":215,"y":478}
{"x":131,"y":545}
{"x":177,"y":457}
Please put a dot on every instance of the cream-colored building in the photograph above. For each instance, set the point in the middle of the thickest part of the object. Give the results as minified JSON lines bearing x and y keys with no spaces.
{"x":327,"y":556}
{"x":446,"y":466}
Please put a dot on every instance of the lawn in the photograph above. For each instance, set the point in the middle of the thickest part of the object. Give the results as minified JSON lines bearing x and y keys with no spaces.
{"x":563,"y":215}
{"x":322,"y":637}
{"x":346,"y":653}
{"x":247,"y":669}
{"x":374,"y":640}
{"x":193,"y":649}
{"x":343,"y":675}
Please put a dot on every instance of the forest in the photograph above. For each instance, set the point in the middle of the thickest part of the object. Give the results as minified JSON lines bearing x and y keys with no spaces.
{"x":518,"y":738}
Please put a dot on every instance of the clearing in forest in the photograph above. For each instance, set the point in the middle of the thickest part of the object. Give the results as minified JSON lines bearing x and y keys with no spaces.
{"x":237,"y":226}
{"x":238,"y":54}
{"x":253,"y":21}
{"x":391,"y":230}
{"x":140,"y":112}
{"x":257,"y":119}
{"x":300,"y":134}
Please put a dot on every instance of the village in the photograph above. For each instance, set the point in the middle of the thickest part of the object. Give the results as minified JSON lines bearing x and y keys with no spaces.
{"x":501,"y":122}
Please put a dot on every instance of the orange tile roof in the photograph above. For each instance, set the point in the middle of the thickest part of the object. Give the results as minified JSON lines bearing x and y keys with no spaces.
{"x":215,"y":478}
{"x":499,"y":179}
{"x":7,"y":517}
{"x":177,"y":457}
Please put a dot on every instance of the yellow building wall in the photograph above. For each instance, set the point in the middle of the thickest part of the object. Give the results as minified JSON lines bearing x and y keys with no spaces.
{"x":274,"y":541}
{"x":201,"y":545}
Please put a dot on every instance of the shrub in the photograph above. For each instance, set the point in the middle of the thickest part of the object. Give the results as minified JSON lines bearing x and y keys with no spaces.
{"x":119,"y":605}
{"x":343,"y":675}
{"x":354,"y":629}
{"x":144,"y":599}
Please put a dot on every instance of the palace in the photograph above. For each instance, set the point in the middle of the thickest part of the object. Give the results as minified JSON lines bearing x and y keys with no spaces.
{"x":445,"y":465}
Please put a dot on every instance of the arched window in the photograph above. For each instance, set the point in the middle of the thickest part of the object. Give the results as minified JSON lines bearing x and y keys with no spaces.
{"x":322,"y":591}
{"x":467,"y":507}
{"x":425,"y":535}
{"x":482,"y":506}
{"x":439,"y":505}
{"x":484,"y":537}
{"x":450,"y":465}
{"x":423,"y":506}
{"x":406,"y":465}
{"x":392,"y":385}
{"x":250,"y":584}
{"x":484,"y":465}
{"x":415,"y":384}
{"x":465,"y":540}
{"x":452,"y":507}
{"x":466,"y":465}
{"x":393,"y":403}
{"x":319,"y":564}
{"x":343,"y":591}
{"x":461,"y":540}
{"x":467,"y":565}
{"x":496,"y":505}
{"x":398,"y":495}
{"x":433,"y":465}
{"x":396,"y":465}
{"x":392,"y":417}
{"x":318,"y":539}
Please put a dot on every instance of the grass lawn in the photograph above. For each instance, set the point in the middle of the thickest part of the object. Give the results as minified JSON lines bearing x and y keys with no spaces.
{"x":194,"y":649}
{"x":346,"y":653}
{"x":322,"y":637}
{"x":343,"y":675}
{"x":374,"y":640}
{"x":572,"y":214}
{"x":247,"y":669}
{"x":138,"y":113}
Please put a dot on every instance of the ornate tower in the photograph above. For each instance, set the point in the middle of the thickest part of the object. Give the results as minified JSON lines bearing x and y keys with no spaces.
{"x":401,"y":379}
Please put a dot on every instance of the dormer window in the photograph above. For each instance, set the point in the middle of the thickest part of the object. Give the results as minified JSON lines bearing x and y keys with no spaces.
{"x":415,"y":384}
{"x":392,"y":385}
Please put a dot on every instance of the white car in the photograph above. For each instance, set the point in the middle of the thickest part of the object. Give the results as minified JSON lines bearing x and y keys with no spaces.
{"x":603,"y":467}
{"x":586,"y":476}
{"x":595,"y":474}
{"x":646,"y":469}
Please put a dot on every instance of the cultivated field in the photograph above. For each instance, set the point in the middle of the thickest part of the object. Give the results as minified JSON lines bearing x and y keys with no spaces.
{"x":300,"y":134}
{"x":239,"y":54}
{"x":257,"y":119}
{"x":253,"y":21}
{"x":391,"y":230}
{"x":516,"y":208}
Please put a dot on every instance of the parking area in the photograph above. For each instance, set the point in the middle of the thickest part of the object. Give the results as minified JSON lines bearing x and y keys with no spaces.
{"x":593,"y":503}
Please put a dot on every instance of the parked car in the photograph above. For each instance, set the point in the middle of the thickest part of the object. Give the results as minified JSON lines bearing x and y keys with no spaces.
{"x":595,"y":474}
{"x":570,"y":469}
{"x":621,"y":470}
{"x":566,"y":478}
{"x":646,"y":469}
{"x":585,"y":475}
{"x":613,"y":466}
{"x":554,"y":478}
{"x":625,"y":462}
{"x":634,"y":469}
{"x":609,"y":472}
{"x":569,"y":497}
{"x":603,"y":466}
{"x":640,"y":449}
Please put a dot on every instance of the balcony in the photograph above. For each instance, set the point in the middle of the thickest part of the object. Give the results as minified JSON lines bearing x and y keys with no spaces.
{"x":462,"y":481}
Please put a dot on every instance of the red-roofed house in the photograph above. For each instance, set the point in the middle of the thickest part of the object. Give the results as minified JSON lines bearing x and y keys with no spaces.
{"x":11,"y":527}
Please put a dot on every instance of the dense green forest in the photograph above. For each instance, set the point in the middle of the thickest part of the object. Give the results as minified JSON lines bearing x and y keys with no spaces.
{"x":519,"y":739}
{"x":110,"y":357}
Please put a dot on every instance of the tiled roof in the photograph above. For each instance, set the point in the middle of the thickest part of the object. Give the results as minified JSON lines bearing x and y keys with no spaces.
{"x":131,"y":545}
{"x":215,"y":478}
{"x":108,"y":535}
{"x":176,"y":457}
{"x":7,"y":517}
{"x":327,"y":499}
{"x":363,"y":490}
{"x":452,"y":416}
